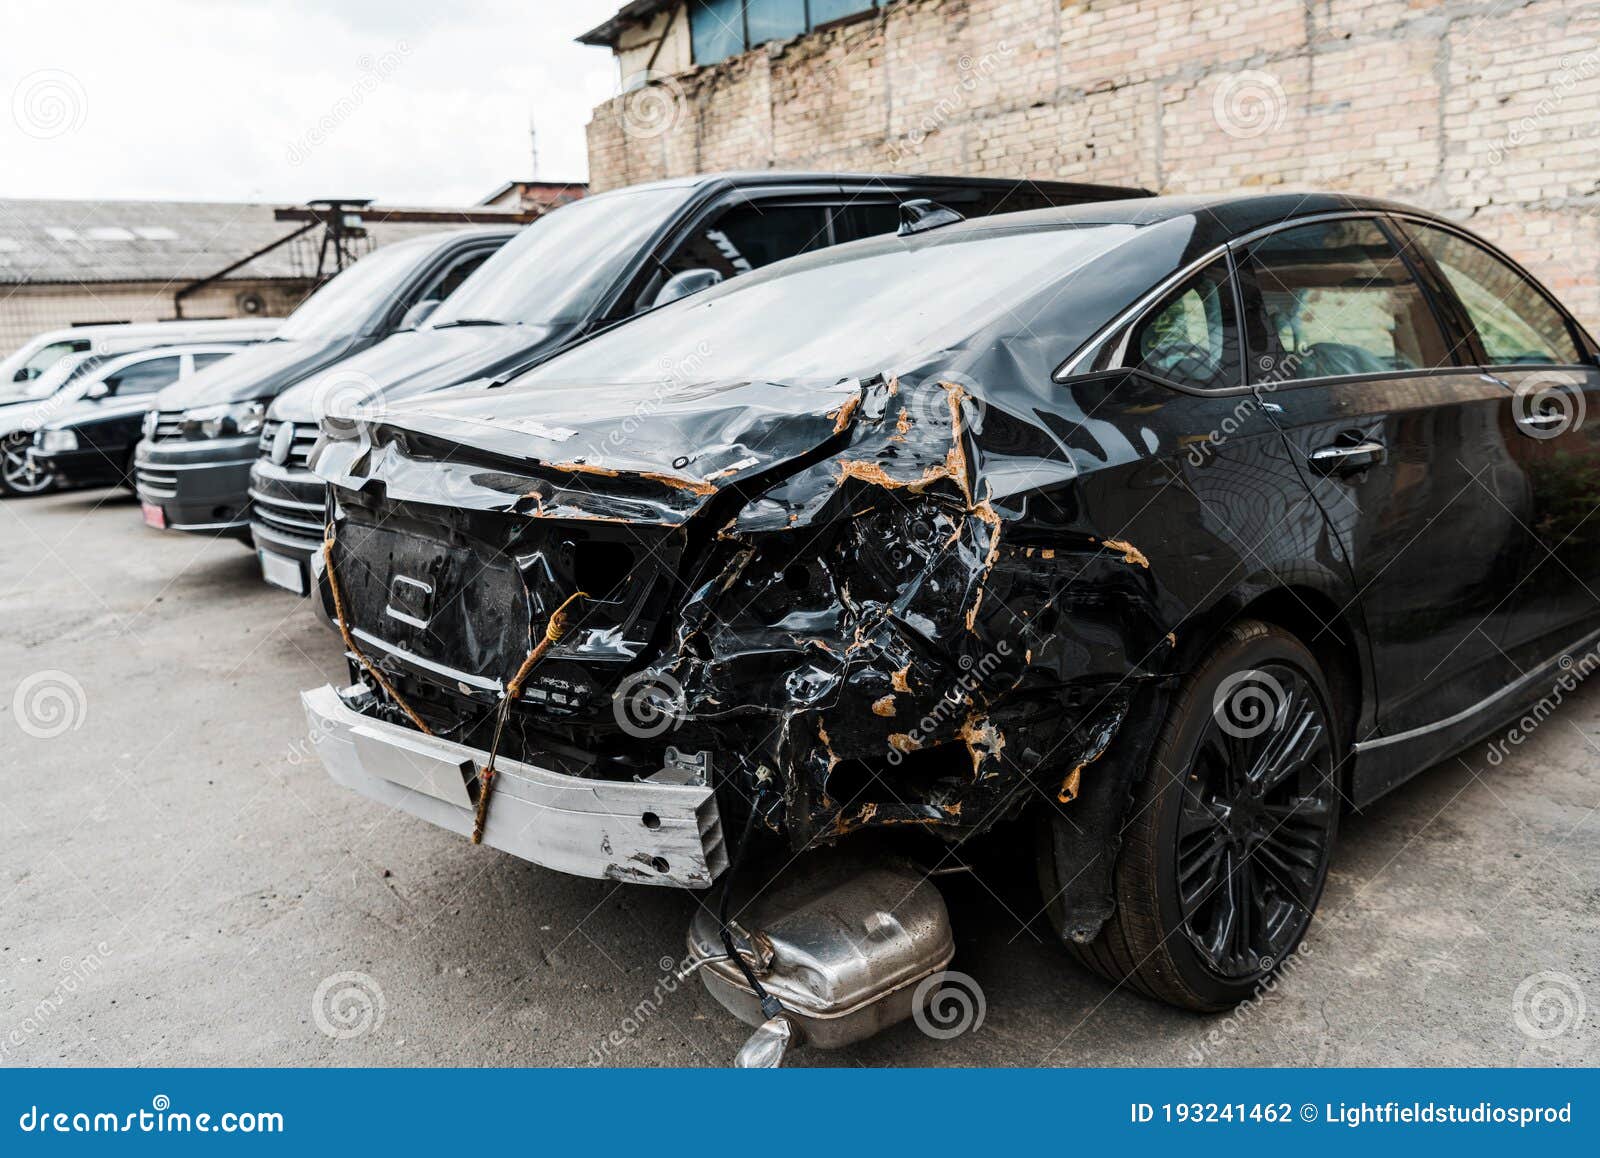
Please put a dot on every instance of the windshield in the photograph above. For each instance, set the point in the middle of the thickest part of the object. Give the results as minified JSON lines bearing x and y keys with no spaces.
{"x":24,"y":366}
{"x":559,"y":268}
{"x":852,"y":310}
{"x":344,"y":305}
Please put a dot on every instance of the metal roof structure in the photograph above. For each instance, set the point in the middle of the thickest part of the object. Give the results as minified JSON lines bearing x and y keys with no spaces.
{"x":73,"y":242}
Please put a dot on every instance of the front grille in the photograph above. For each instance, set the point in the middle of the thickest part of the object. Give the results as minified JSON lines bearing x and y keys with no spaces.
{"x":304,"y":437}
{"x":167,"y":426}
{"x":288,"y":517}
{"x":458,"y":605}
{"x":155,"y":482}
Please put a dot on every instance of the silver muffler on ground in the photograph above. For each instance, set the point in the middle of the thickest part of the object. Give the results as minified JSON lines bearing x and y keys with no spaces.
{"x":845,"y":950}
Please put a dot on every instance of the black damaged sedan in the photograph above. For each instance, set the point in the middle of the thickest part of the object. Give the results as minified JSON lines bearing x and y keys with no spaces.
{"x":1176,"y":526}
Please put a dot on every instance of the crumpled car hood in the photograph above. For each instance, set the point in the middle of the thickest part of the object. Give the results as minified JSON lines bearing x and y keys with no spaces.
{"x":414,"y":362}
{"x":595,"y":451}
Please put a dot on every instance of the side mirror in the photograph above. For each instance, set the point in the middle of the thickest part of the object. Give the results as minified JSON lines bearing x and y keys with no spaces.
{"x":97,"y":389}
{"x":418,"y":313}
{"x":681,"y":285}
{"x":22,"y":375}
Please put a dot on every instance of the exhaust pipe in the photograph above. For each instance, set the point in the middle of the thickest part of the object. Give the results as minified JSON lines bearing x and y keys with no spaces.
{"x":844,"y":950}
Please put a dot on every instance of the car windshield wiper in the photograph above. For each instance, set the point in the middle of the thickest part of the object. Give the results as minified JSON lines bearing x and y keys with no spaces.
{"x":468,"y":322}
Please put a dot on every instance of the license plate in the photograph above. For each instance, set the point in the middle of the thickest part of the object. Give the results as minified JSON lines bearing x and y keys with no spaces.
{"x":154,"y":516}
{"x":281,"y":571}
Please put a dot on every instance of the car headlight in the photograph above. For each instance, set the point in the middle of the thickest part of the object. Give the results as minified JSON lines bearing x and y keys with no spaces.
{"x":224,"y":420}
{"x":52,"y":441}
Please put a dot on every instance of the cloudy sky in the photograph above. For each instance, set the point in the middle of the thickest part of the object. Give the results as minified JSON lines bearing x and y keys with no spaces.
{"x":413,"y":102}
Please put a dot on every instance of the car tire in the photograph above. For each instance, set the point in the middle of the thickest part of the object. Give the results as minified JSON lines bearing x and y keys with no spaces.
{"x":1220,"y":870}
{"x":14,"y":479}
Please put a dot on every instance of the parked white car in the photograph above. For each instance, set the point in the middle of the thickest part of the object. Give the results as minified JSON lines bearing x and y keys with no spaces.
{"x":21,"y":371}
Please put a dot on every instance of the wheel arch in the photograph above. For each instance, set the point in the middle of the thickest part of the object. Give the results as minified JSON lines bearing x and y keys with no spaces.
{"x":1328,"y":627}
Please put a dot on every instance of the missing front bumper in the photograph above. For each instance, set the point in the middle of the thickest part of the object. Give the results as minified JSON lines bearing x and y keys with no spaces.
{"x":646,"y":832}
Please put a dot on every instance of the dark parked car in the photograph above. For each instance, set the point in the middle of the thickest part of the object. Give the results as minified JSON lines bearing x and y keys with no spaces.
{"x":588,"y":266}
{"x":110,"y":393}
{"x":193,"y":466}
{"x":1178,"y":525}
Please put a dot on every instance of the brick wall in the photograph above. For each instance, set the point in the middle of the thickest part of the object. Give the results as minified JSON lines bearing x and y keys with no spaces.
{"x":1486,"y":111}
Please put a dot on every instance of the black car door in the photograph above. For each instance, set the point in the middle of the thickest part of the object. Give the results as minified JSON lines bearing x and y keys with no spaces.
{"x":116,"y":429}
{"x":1404,"y":444}
{"x":1528,"y":342}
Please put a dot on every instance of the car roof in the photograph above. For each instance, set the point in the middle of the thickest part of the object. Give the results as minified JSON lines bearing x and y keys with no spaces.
{"x":889,"y":181}
{"x":150,"y":354}
{"x":443,"y":237}
{"x":1217,"y":217}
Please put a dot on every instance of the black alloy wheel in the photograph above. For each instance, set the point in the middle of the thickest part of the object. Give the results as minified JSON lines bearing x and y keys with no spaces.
{"x":1227,"y":847}
{"x":1255,"y":827}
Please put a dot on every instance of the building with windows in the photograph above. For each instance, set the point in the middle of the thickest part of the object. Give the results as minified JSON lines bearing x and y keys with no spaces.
{"x":1483,"y":113}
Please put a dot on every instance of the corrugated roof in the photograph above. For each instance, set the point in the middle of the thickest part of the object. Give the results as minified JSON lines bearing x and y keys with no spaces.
{"x":172,"y":241}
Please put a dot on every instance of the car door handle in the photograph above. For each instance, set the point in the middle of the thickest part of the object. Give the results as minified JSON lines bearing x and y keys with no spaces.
{"x":1541,"y":421}
{"x":1347,"y":459}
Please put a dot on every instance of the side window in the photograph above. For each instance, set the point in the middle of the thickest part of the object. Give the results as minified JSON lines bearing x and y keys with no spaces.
{"x":48,"y":356}
{"x":144,"y":377}
{"x":749,"y":236}
{"x":201,"y":361}
{"x":451,"y":279}
{"x":1516,"y":322}
{"x":865,"y":219}
{"x":1337,"y":298}
{"x":1191,"y":337}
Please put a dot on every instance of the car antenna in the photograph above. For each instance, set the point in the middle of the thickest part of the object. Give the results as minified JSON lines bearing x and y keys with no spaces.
{"x":920,"y":215}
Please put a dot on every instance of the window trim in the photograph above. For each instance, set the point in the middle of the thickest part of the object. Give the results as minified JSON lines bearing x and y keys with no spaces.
{"x":1120,"y":327}
{"x":1120,"y":353}
{"x":1440,"y":320}
{"x":1575,"y":331}
{"x":1073,"y":367}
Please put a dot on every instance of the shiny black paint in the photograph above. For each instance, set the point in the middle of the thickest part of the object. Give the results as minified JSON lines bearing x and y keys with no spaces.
{"x":1079,"y":540}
